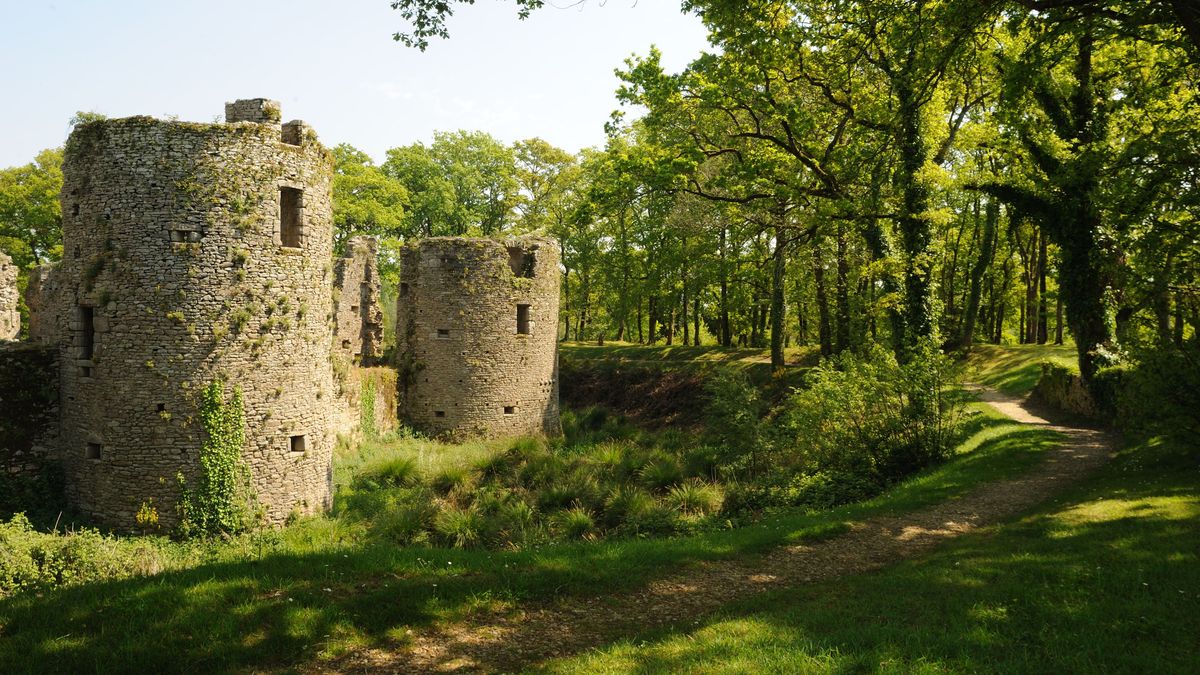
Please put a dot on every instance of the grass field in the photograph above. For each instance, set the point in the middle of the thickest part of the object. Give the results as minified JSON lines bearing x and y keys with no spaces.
{"x":1015,"y":369}
{"x":1104,"y":579}
{"x":324,"y":586}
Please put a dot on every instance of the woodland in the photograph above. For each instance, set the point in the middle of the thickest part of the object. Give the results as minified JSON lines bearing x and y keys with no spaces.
{"x":822,"y":289}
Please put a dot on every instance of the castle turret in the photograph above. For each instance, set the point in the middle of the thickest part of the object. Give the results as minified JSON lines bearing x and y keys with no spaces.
{"x":477,"y":323}
{"x":194,"y":253}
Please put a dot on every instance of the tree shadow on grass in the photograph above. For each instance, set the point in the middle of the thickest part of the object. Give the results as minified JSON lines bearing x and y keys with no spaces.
{"x":1108,"y":581}
{"x":288,"y":608}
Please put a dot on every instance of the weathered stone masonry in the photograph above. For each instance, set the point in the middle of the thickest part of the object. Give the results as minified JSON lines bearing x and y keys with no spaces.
{"x":358,"y":318}
{"x":194,"y":253}
{"x":10,"y":318}
{"x":477,"y":336}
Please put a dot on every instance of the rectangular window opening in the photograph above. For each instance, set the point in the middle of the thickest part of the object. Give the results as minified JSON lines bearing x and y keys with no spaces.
{"x":345,"y":344}
{"x":85,"y":371}
{"x":523,"y":319}
{"x":291,"y":205}
{"x":510,"y":410}
{"x":87,"y":328}
{"x":439,"y":413}
{"x":443,"y":333}
{"x":403,"y":290}
{"x":297,"y":444}
{"x":354,"y":308}
{"x":94,"y":450}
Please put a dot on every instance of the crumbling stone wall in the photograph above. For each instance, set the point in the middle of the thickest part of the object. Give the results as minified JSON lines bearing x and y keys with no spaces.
{"x":358,"y":317}
{"x":194,"y":253}
{"x":28,"y":406}
{"x":41,"y":297}
{"x":477,"y":336}
{"x":10,"y":318}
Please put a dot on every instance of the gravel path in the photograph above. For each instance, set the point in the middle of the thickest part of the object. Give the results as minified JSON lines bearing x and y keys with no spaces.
{"x":535,"y":633}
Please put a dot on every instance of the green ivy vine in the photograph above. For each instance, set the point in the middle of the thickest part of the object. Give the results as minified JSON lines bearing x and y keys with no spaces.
{"x":220,"y":501}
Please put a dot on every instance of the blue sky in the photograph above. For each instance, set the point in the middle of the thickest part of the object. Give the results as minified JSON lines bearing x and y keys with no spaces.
{"x":330,"y":62}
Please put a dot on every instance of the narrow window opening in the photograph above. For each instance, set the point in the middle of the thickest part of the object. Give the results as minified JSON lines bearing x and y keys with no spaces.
{"x":443,"y":333}
{"x":297,"y":445}
{"x":439,"y":413}
{"x":162,"y":407}
{"x":354,"y":308}
{"x":87,"y":328}
{"x":523,"y":319}
{"x":186,"y":236}
{"x":94,"y":450}
{"x":345,"y":344}
{"x":521,"y":262}
{"x":510,"y":409}
{"x":403,"y":290}
{"x":290,"y":133}
{"x":85,"y":371}
{"x":74,"y":209}
{"x":291,"y":202}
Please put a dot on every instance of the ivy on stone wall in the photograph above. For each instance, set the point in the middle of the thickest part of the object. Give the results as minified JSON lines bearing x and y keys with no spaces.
{"x":367,"y":409}
{"x":221,"y":499}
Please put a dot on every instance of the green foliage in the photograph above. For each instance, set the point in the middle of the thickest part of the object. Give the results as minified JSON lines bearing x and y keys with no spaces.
{"x":366,"y":408}
{"x":221,"y":499}
{"x":870,"y":416}
{"x":396,"y":472}
{"x":37,"y":561}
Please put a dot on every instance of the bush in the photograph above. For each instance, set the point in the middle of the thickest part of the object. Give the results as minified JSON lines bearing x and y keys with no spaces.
{"x":31,"y":560}
{"x":406,"y":518}
{"x":869,"y":416}
{"x":1159,"y":393}
{"x":395,"y":472}
{"x":696,"y":498}
{"x":660,"y":472}
{"x":459,"y":527}
{"x":735,"y":418}
{"x":574,"y":523}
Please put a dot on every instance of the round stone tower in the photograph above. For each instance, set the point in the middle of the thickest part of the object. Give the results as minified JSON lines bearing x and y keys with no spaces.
{"x":477,"y":323}
{"x":194,"y":254}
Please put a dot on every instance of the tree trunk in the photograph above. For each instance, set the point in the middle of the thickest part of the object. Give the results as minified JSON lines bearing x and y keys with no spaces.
{"x":842,"y":321}
{"x":779,"y":261}
{"x":652,"y":317}
{"x":823,"y":330}
{"x":915,"y":229}
{"x":987,"y":252}
{"x":1043,"y":310}
{"x":726,"y":336}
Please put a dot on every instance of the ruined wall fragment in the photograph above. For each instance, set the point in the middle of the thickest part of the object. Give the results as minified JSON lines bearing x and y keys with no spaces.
{"x":358,"y":315}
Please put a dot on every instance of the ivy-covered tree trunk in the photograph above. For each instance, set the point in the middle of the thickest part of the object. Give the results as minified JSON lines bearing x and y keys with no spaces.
{"x":779,"y":264}
{"x":915,"y":229}
{"x":987,"y":251}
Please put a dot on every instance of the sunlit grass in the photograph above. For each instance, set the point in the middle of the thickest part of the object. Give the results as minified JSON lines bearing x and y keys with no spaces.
{"x":1015,"y":369}
{"x":1105,"y":579}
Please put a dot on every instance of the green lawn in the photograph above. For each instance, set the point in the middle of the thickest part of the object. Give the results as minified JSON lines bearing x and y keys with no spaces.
{"x":1104,"y":579}
{"x":324,"y":586}
{"x":1015,"y":369}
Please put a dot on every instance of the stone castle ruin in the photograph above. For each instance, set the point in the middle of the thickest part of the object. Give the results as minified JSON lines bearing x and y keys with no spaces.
{"x":358,"y":316}
{"x":476,"y":329}
{"x":201,"y":253}
{"x":10,"y":318}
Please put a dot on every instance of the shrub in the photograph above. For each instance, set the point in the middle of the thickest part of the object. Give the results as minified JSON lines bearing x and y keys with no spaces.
{"x":574,"y":523}
{"x":735,"y":418}
{"x":395,"y":472}
{"x":405,"y":519}
{"x":449,"y":479}
{"x":696,"y":498}
{"x":459,"y":527}
{"x":823,"y":490}
{"x":660,"y":472}
{"x":869,"y":416}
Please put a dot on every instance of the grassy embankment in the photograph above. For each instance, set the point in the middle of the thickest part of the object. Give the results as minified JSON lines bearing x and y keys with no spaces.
{"x":1105,"y":578}
{"x":323,"y":586}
